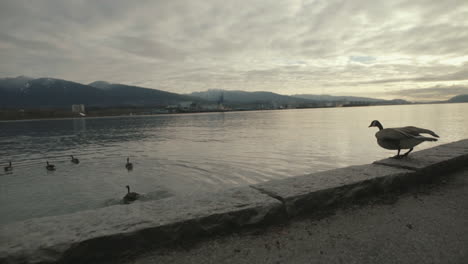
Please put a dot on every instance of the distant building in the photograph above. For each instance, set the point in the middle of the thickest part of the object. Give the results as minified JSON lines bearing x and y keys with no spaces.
{"x":185,"y":105}
{"x":160,"y":111}
{"x":209,"y":107}
{"x":78,"y":108}
{"x":188,"y":106}
{"x":172,"y":108}
{"x":221,"y":102}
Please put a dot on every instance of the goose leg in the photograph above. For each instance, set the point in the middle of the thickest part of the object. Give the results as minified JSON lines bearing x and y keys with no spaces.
{"x":397,"y":155}
{"x":406,"y":154}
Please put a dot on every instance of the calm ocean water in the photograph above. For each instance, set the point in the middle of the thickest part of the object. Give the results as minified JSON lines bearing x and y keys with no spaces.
{"x":178,"y":154}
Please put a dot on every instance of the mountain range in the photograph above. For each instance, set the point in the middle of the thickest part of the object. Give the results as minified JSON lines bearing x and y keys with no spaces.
{"x":25,"y":92}
{"x":242,"y":97}
{"x":462,"y":98}
{"x":332,"y":98}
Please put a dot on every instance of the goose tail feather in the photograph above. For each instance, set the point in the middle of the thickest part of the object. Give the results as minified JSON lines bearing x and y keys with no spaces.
{"x":426,"y":138}
{"x":422,"y":131}
{"x":430,"y":132}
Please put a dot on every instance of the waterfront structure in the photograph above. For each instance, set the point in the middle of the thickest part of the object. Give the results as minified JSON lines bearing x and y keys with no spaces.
{"x":221,"y":102}
{"x":78,"y":108}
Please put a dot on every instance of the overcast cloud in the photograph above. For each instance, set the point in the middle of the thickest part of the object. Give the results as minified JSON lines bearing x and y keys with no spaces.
{"x":289,"y":47}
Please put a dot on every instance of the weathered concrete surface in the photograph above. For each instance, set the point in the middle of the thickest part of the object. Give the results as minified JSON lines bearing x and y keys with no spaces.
{"x":328,"y":188}
{"x":324,"y":189}
{"x":426,"y":225}
{"x":441,"y":158}
{"x":109,"y":232}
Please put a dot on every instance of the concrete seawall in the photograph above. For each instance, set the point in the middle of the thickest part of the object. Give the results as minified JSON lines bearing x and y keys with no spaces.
{"x":118,"y":230}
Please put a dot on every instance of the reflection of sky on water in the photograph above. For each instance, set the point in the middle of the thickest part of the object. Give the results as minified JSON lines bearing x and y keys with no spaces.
{"x":176,"y":154}
{"x":79,"y":125}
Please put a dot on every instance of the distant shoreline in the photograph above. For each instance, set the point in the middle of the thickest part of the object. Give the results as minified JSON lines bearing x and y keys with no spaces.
{"x":65,"y":115}
{"x":133,"y":114}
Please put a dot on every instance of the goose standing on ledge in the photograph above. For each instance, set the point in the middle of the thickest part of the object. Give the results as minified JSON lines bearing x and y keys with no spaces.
{"x":9,"y":167}
{"x":130,"y":196}
{"x":74,"y":160}
{"x":129,"y":165}
{"x":399,"y":138}
{"x":50,"y":167}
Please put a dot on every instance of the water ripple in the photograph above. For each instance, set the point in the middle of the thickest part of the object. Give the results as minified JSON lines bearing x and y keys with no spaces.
{"x":180,"y":154}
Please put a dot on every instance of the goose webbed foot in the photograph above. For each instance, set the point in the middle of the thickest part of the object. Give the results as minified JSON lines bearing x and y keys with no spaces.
{"x":406,"y":154}
{"x":397,"y":156}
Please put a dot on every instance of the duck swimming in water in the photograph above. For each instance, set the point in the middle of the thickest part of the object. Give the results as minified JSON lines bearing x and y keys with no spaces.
{"x":9,"y":167}
{"x":129,"y":165}
{"x":74,"y":160}
{"x":401,"y":137}
{"x":130,"y":196}
{"x":50,"y":167}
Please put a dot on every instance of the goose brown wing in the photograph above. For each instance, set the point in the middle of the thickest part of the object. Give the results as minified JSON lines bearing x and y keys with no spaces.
{"x":415,"y":131}
{"x":393,"y":134}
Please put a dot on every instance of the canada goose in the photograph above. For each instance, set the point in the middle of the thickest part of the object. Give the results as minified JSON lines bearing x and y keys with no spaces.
{"x":74,"y":160}
{"x":129,"y":165}
{"x":50,"y":167}
{"x":9,"y":167}
{"x":401,"y":137}
{"x":130,"y":196}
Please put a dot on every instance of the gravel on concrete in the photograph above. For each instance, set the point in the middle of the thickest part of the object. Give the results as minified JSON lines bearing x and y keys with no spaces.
{"x":428,"y":224}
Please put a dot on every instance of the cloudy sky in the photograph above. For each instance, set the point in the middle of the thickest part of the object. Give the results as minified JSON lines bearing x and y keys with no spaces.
{"x":412,"y":49}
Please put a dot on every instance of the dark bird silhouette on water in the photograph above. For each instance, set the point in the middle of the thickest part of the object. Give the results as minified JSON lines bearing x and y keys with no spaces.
{"x":129,"y":165}
{"x":401,"y":137}
{"x":9,"y":167}
{"x":130,"y":196}
{"x":50,"y":167}
{"x":74,"y":160}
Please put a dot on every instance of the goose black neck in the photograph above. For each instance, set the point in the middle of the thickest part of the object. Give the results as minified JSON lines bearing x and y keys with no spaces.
{"x":379,"y":125}
{"x":128,"y":189}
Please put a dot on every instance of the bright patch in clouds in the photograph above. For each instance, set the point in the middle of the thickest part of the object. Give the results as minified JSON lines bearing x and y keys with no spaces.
{"x":363,"y":47}
{"x":363,"y":59}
